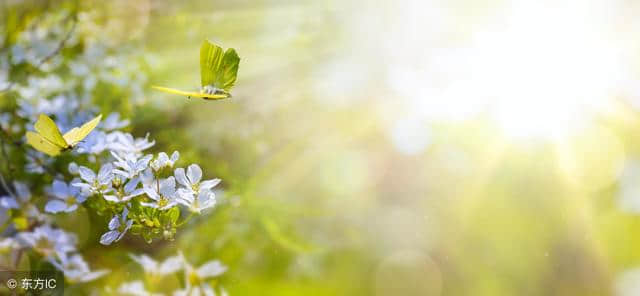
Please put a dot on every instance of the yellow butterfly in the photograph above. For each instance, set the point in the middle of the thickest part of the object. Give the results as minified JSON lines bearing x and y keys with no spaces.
{"x":50,"y":140}
{"x":218,"y":73}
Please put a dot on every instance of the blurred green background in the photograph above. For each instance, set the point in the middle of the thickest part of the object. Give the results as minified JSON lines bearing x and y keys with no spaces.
{"x":400,"y":147}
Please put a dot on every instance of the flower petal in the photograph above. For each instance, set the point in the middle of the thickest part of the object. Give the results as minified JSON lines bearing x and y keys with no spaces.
{"x":151,"y":193}
{"x":109,"y":237}
{"x":211,"y":269}
{"x":86,"y":174}
{"x":208,"y":184}
{"x":55,"y":206}
{"x":114,"y":223}
{"x":131,"y":185}
{"x":194,"y":173}
{"x":181,"y":177}
{"x":59,"y":189}
{"x":174,"y":156}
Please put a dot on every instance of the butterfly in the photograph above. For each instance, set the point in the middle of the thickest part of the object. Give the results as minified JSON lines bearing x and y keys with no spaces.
{"x":218,"y":73}
{"x":49,"y":140}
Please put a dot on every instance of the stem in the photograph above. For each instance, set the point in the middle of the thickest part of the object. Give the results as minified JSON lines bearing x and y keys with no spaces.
{"x":185,"y":220}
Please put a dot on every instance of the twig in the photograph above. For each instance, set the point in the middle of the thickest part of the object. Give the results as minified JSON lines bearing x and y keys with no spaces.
{"x":62,"y":42}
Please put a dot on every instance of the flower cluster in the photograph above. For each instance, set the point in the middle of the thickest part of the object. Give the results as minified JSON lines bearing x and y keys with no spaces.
{"x":108,"y":173}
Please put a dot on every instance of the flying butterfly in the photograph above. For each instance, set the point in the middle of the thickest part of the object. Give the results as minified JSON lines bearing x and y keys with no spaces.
{"x":218,"y":73}
{"x":50,"y":140}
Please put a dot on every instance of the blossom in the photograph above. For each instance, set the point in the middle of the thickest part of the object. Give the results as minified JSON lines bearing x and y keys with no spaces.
{"x":129,"y":165}
{"x":75,"y":269}
{"x":168,"y":266}
{"x":95,"y":143}
{"x":135,"y":288}
{"x":163,"y":194}
{"x":195,"y":278}
{"x":118,"y":226}
{"x":48,"y":241}
{"x":95,"y":184}
{"x":67,"y":197}
{"x":127,"y":192}
{"x":126,"y":143}
{"x":113,"y":122}
{"x":192,"y":179}
{"x":163,"y":161}
{"x":204,"y":200}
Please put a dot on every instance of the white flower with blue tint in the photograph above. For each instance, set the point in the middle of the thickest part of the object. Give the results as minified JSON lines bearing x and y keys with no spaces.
{"x":192,"y":179}
{"x":118,"y":226}
{"x":163,"y":161}
{"x":48,"y":241}
{"x":196,"y":203}
{"x":95,"y":143}
{"x":113,"y":122}
{"x":126,"y":143}
{"x":67,"y":197}
{"x":153,"y":267}
{"x":162,"y":192}
{"x":129,"y":165}
{"x":75,"y":269}
{"x":95,"y":184}
{"x":124,"y":194}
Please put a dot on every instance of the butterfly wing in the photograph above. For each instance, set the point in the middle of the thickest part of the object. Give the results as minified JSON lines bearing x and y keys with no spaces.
{"x":43,"y":145}
{"x":228,"y":71}
{"x":210,"y":63}
{"x":49,"y":131}
{"x":191,"y":94}
{"x":76,"y":134}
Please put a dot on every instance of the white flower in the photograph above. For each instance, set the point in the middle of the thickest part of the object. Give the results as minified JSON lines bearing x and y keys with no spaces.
{"x":48,"y":241}
{"x":150,"y":266}
{"x":95,"y":143}
{"x":113,"y":122}
{"x":204,"y":200}
{"x":163,"y":194}
{"x":196,"y":279}
{"x":125,"y":143}
{"x":67,"y":197}
{"x":192,"y":179}
{"x":75,"y":269}
{"x":22,"y":197}
{"x":129,"y":191}
{"x":163,"y":161}
{"x":118,"y":226}
{"x":95,"y":184}
{"x":129,"y":166}
{"x":135,"y":288}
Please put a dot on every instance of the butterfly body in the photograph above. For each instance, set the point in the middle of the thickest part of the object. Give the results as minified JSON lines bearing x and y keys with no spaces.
{"x":48,"y":139}
{"x":218,"y":73}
